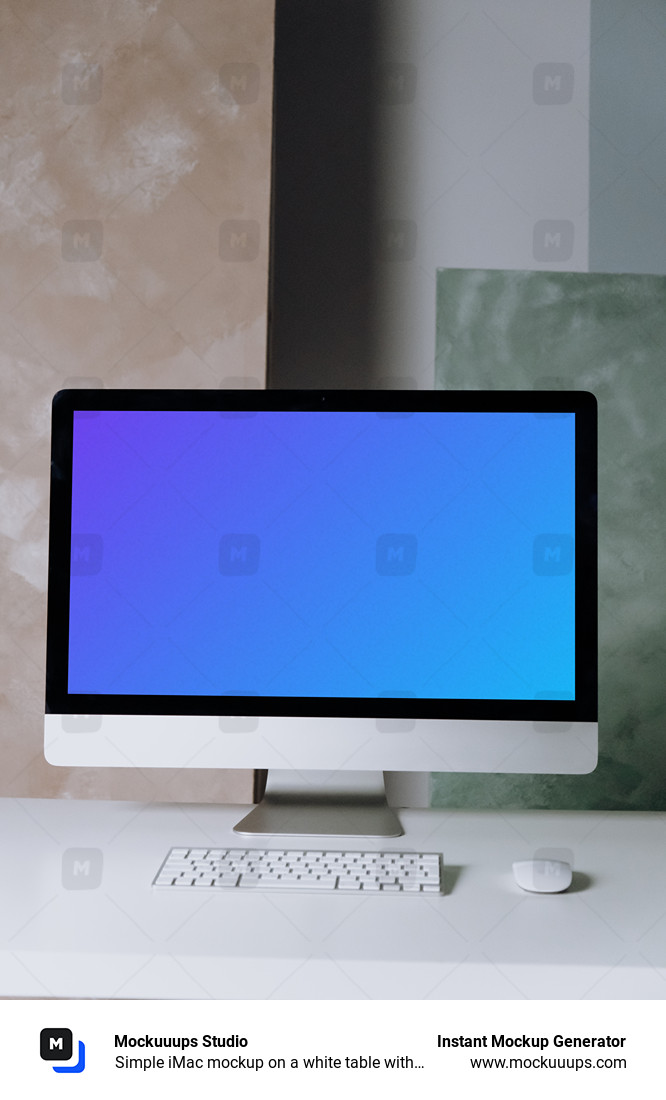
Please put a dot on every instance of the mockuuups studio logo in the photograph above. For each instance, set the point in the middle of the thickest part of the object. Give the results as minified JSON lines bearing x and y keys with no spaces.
{"x":240,"y":80}
{"x":239,"y":240}
{"x":396,"y":555}
{"x":396,"y":83}
{"x":86,"y":555}
{"x":82,"y":241}
{"x":239,"y":555}
{"x":396,"y":240}
{"x":553,"y":241}
{"x":553,"y":83}
{"x":552,"y":555}
{"x":82,"y":868}
{"x":81,"y":83}
{"x":56,"y":1044}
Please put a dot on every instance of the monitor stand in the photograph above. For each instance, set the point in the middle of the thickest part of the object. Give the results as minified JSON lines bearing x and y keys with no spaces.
{"x":315,"y":803}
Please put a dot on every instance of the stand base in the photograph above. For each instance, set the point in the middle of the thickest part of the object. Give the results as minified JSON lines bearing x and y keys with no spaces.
{"x":322,"y":804}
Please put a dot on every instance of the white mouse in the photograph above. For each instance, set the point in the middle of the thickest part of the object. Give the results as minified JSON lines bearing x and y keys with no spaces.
{"x":543,"y":876}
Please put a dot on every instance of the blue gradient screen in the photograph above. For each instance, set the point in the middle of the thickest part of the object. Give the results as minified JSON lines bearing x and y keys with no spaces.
{"x":323,"y":554}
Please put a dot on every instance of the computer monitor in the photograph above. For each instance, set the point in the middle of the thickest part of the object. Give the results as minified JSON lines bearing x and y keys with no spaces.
{"x":339,"y":583}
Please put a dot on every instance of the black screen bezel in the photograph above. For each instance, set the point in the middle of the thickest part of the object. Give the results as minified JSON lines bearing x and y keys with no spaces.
{"x":583,"y":708}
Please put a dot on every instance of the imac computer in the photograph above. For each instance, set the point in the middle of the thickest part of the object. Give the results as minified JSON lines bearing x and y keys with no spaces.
{"x":328,"y":585}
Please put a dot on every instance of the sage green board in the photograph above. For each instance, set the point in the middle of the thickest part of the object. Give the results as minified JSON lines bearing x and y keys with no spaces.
{"x":605,"y":333}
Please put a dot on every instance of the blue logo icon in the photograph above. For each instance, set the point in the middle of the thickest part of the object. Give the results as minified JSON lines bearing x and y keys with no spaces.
{"x":87,"y":553}
{"x":239,"y":555}
{"x":553,"y":555}
{"x":56,"y":1044}
{"x":396,"y":555}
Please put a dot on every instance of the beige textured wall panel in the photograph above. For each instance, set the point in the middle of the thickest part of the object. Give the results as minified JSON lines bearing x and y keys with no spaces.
{"x":134,"y":210}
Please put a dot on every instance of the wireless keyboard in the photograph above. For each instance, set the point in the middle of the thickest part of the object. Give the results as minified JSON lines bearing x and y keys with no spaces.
{"x":290,"y":869}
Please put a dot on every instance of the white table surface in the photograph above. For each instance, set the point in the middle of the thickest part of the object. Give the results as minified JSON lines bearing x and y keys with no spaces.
{"x":485,"y":938}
